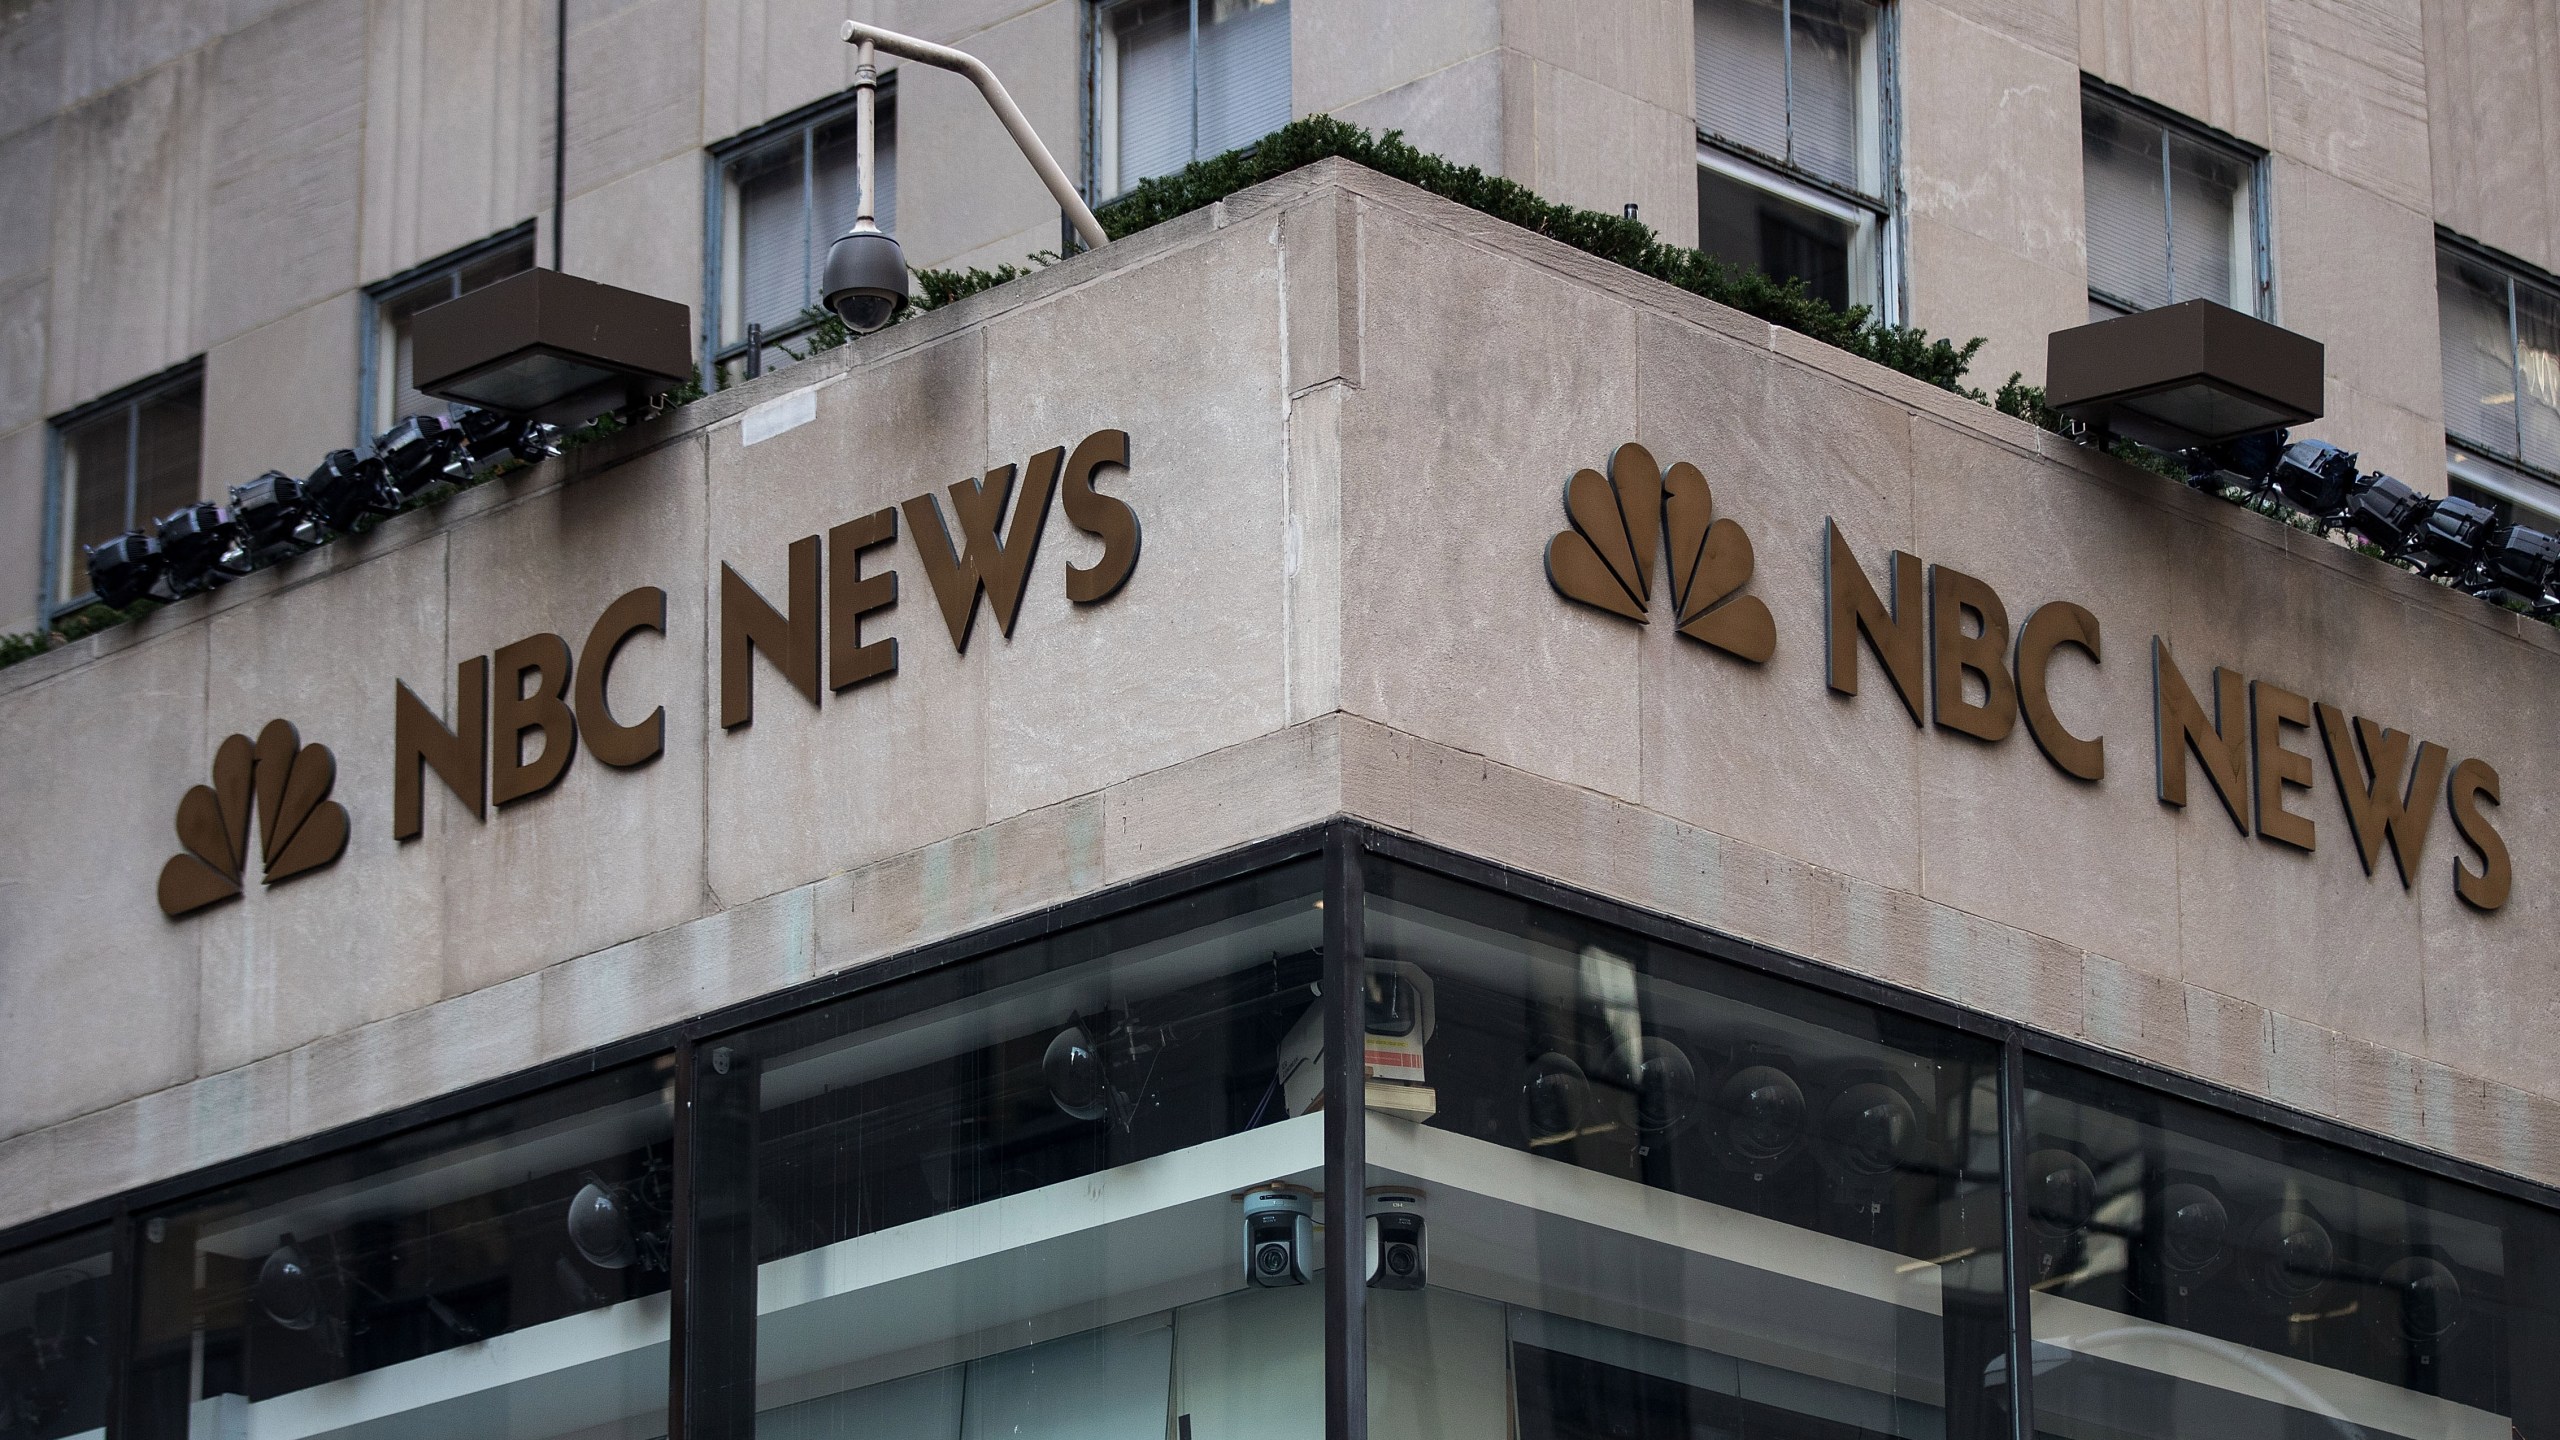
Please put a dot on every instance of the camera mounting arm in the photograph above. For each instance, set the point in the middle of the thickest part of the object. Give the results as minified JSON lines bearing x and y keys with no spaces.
{"x":944,"y":57}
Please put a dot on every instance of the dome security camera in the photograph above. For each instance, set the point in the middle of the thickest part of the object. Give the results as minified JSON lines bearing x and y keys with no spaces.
{"x":866,"y":279}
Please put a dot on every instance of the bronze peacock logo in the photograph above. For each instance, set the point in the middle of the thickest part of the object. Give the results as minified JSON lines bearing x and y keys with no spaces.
{"x":1620,"y":522}
{"x":286,"y":785}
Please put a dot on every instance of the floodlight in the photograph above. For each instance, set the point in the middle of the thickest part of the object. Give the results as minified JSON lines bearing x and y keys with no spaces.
{"x":2315,"y":477}
{"x":421,"y":451}
{"x":2388,"y":512}
{"x":2244,"y":463}
{"x":346,"y":488}
{"x":489,"y":435}
{"x":2518,"y":563}
{"x":194,"y":544}
{"x":2455,"y":537}
{"x":275,"y":524}
{"x":551,"y":347}
{"x":2183,"y":376}
{"x":123,"y":569}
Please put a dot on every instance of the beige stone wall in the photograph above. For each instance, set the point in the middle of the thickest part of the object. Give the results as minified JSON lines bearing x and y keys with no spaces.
{"x":1351,"y":408}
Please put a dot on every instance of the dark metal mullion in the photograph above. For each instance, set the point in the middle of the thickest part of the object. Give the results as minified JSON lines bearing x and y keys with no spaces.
{"x":711,"y":1267}
{"x":1195,"y":79}
{"x":2013,"y":1215}
{"x":2515,"y":368}
{"x":133,"y":436}
{"x":1346,"y":1161}
{"x":1787,"y":59}
{"x":126,"y":1270}
{"x":2168,"y":215}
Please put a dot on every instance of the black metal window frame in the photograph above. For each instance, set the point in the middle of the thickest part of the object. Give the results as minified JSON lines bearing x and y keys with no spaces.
{"x":58,"y":546}
{"x":705,"y":1364}
{"x":717,"y":352}
{"x":2262,"y":274}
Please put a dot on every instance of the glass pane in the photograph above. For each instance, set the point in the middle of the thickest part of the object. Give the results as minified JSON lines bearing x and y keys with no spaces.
{"x":53,"y":1338}
{"x":839,"y":178}
{"x":498,"y":1275}
{"x":1831,"y":96}
{"x":1742,"y":73}
{"x":95,"y":473}
{"x":1151,"y":40}
{"x":2479,"y":363}
{"x":1617,"y":1189}
{"x":1244,"y":72}
{"x":2538,"y":354}
{"x":401,"y":397}
{"x":513,"y":259}
{"x":2198,"y":1275}
{"x":167,"y":473}
{"x":2128,"y":208}
{"x":1745,"y":225}
{"x":2209,"y":211}
{"x":1012,"y":1197}
{"x":774,"y":248}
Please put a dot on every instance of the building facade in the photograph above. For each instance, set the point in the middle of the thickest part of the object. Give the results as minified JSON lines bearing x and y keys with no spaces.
{"x":857,"y":905}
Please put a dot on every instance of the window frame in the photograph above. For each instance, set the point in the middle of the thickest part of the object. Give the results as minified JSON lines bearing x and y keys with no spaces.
{"x":718,"y":352}
{"x":1351,"y":852}
{"x":1780,"y":176}
{"x":1101,"y":99}
{"x":381,"y":293}
{"x":2262,"y":280}
{"x":2511,"y":477}
{"x":55,"y":560}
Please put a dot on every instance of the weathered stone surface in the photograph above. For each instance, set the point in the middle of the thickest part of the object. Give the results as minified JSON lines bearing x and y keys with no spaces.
{"x":288,"y":110}
{"x":457,"y":125}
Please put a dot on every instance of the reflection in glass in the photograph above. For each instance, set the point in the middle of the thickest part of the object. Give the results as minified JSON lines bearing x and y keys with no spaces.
{"x":1063,"y":1190}
{"x":502,"y":1275}
{"x":1660,"y":1196}
{"x":2224,"y":1279}
{"x":53,"y":1338}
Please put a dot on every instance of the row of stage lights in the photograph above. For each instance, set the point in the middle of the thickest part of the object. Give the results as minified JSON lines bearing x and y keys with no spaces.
{"x":2452,"y":539}
{"x":276,"y":517}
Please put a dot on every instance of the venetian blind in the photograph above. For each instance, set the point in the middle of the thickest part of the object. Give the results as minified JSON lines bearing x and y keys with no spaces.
{"x":1828,"y":39}
{"x":773,"y":238}
{"x":1152,"y":76}
{"x":2128,"y":209}
{"x":1741,"y":53}
{"x":1244,"y":72}
{"x":2479,"y":366}
{"x":2538,"y":364}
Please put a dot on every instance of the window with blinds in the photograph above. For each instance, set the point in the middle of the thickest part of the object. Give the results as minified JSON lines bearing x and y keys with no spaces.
{"x":2172,"y":213}
{"x":2501,"y":334}
{"x":785,"y":196}
{"x":392,"y":397}
{"x":1791,"y":177}
{"x":1182,"y":80}
{"x":125,"y":462}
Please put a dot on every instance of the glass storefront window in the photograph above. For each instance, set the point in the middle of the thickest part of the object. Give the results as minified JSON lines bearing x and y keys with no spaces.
{"x":503,"y":1274}
{"x":54,"y":1362}
{"x":1064,"y":1190}
{"x":1661,"y":1196}
{"x":2198,"y":1275}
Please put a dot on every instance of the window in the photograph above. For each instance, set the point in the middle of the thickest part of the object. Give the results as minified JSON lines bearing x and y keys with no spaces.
{"x":389,"y":396}
{"x":2501,"y":328}
{"x":1792,"y":170}
{"x":122,"y":463}
{"x":2174,"y":213}
{"x":785,"y":193}
{"x":1181,"y":80}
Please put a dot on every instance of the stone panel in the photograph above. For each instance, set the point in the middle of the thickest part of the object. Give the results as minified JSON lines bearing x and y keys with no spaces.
{"x":288,"y":114}
{"x":2493,"y":110}
{"x":1962,"y":285}
{"x":2206,"y":59}
{"x":2052,"y":26}
{"x":1193,"y":654}
{"x":961,"y":180}
{"x":1991,"y":138}
{"x":896,"y":763}
{"x":2356,"y":272}
{"x":1599,"y":148}
{"x":642,"y":232}
{"x":281,"y":396}
{"x":23,"y":305}
{"x":1454,"y":113}
{"x":1473,"y":414}
{"x":26,"y":222}
{"x":620,"y":851}
{"x":458,"y":115}
{"x":31,"y":43}
{"x":1643,"y":49}
{"x":282,"y":965}
{"x":21,"y":527}
{"x":634,"y":98}
{"x":2347,"y":92}
{"x":108,"y":42}
{"x":1343,"y":52}
{"x":763,"y":58}
{"x":97,"y":988}
{"x":132,"y":170}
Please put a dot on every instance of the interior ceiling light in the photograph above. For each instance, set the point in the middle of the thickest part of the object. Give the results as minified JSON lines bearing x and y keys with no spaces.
{"x":552,"y":347}
{"x":2183,"y":376}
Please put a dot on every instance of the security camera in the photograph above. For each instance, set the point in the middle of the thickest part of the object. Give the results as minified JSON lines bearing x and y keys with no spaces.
{"x":866,"y":279}
{"x":1396,"y":1252}
{"x":1279,"y":1237}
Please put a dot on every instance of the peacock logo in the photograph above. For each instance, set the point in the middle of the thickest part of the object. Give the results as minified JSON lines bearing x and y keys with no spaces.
{"x":1622,"y":520}
{"x":286,"y":785}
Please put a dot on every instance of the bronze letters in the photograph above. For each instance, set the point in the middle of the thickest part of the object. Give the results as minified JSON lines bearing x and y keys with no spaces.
{"x":2179,"y":725}
{"x":2473,"y":781}
{"x":1107,"y":518}
{"x":1952,"y":653}
{"x":420,"y":741}
{"x":2055,"y":624}
{"x":852,"y":595}
{"x":788,"y":638}
{"x":616,"y":744}
{"x":542,"y":710}
{"x":286,"y":785}
{"x":1895,"y":635}
{"x":2379,"y":808}
{"x":2271,"y":708}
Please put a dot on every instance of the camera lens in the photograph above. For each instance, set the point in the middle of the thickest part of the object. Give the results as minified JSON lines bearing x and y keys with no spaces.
{"x":1764,"y":1114}
{"x":1872,"y":1125}
{"x":1555,"y":1095}
{"x":2064,"y":1196}
{"x":1271,"y":1258}
{"x":2291,"y":1258}
{"x":1073,"y":1071}
{"x":2430,"y":1297}
{"x":1401,"y":1260}
{"x":2193,"y":1230}
{"x":1666,"y":1085}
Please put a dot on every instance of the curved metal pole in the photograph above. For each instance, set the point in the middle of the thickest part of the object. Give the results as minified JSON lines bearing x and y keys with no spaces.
{"x":944,"y":57}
